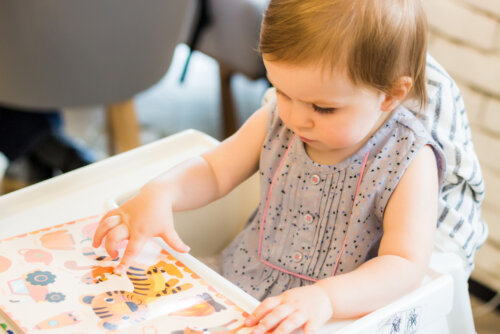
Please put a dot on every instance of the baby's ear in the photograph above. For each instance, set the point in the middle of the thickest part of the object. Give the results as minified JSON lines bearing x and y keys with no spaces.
{"x":398,"y":93}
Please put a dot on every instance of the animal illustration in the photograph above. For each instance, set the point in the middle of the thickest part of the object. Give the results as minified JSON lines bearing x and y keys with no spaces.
{"x":121,"y":308}
{"x":96,"y":274}
{"x":200,"y":305}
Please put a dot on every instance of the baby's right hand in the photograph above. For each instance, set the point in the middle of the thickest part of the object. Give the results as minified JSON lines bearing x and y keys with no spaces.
{"x":137,"y":220}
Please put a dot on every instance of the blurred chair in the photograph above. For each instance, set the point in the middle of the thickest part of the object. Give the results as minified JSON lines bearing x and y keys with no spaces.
{"x":228,"y":31}
{"x":66,"y":53}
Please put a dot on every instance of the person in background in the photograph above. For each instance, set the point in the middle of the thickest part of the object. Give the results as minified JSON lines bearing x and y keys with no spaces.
{"x":36,"y":147}
{"x":460,"y":228}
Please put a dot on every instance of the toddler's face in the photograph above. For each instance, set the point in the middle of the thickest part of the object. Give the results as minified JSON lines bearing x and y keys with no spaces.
{"x":331,"y":115}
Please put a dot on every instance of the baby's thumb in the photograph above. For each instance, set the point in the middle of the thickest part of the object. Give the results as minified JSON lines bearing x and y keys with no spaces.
{"x":174,"y":241}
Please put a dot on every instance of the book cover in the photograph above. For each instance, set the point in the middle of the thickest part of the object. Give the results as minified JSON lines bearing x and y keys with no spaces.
{"x":53,"y":281}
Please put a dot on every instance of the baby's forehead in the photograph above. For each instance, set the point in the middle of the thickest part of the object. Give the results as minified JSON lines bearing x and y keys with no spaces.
{"x":324,"y":67}
{"x":311,"y":83}
{"x":314,"y":71}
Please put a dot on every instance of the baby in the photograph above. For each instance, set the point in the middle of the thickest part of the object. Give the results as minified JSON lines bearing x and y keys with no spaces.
{"x":349,"y":177}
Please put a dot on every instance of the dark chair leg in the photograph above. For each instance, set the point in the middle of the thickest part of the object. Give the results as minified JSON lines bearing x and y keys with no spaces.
{"x":227,"y":103}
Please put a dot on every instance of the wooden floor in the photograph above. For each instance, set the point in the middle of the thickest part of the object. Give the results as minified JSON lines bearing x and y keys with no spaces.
{"x":488,"y":323}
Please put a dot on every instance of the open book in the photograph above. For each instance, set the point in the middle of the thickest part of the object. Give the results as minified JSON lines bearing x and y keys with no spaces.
{"x":53,"y":281}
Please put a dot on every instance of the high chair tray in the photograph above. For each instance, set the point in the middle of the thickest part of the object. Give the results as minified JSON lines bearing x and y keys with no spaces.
{"x":93,"y":189}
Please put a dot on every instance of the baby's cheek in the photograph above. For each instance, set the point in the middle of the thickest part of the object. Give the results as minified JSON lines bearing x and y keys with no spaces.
{"x":283,"y":112}
{"x":344,"y":136}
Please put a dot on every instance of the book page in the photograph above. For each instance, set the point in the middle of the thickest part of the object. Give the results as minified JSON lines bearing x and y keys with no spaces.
{"x":53,"y":281}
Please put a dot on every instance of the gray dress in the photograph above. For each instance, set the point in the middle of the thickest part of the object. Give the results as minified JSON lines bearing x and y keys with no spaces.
{"x":312,"y":207}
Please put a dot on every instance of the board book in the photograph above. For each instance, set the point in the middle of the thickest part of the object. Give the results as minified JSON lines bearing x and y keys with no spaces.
{"x":53,"y":281}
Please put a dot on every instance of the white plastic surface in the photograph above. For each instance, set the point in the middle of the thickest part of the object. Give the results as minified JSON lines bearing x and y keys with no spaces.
{"x":93,"y":189}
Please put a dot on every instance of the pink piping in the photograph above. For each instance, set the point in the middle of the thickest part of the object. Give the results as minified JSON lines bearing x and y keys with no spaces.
{"x":354,"y":202}
{"x":269,"y":196}
{"x":264,"y":214}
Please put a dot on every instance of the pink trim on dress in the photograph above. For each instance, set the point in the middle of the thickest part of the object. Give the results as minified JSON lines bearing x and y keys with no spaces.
{"x":264,"y":214}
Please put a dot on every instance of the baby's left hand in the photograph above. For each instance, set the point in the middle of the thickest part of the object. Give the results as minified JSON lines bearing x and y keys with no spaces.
{"x":308,"y":307}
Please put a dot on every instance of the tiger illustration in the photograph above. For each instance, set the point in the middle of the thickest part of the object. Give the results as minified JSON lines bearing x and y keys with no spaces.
{"x":97,"y":274}
{"x":121,"y":308}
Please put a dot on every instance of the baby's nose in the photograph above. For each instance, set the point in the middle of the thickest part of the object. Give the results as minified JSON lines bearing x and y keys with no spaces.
{"x":301,"y":118}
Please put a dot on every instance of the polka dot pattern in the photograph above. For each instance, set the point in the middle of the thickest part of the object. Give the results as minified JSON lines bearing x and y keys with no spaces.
{"x":312,"y":205}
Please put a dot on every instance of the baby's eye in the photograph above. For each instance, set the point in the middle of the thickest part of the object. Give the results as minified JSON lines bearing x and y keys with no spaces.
{"x":109,"y":300}
{"x":323,"y":110}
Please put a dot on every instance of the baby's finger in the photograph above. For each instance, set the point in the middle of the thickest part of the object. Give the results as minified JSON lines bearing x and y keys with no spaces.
{"x":274,"y":318}
{"x":264,"y":308}
{"x":173,"y":240}
{"x":134,"y":247}
{"x":107,"y":222}
{"x":310,"y":327}
{"x":114,"y":237}
{"x":295,"y":320}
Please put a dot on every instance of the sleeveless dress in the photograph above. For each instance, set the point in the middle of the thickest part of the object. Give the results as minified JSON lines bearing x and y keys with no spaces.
{"x":312,"y":207}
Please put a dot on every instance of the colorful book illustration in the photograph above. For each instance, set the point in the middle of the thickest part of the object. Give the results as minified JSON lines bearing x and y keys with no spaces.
{"x":53,"y":281}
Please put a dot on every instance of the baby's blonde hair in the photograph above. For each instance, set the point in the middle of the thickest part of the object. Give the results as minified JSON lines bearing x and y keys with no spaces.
{"x":378,"y":41}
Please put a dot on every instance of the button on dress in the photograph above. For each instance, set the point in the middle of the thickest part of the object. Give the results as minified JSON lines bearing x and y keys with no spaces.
{"x":311,"y":205}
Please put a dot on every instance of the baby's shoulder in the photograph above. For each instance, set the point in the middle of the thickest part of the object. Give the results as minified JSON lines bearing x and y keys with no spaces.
{"x":406,"y":137}
{"x":406,"y":122}
{"x":402,"y":129}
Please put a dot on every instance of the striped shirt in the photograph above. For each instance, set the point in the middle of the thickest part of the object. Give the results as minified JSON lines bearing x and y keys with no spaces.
{"x":459,"y":228}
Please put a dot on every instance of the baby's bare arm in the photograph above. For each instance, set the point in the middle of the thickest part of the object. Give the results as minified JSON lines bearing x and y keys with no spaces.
{"x":191,"y":184}
{"x":409,"y":224}
{"x":201,"y":180}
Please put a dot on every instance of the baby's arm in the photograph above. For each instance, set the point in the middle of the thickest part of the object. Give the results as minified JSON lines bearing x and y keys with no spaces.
{"x":191,"y":184}
{"x":405,"y":249}
{"x":409,"y":223}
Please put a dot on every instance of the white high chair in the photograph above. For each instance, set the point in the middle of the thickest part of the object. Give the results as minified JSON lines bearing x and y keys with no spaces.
{"x":441,"y":305}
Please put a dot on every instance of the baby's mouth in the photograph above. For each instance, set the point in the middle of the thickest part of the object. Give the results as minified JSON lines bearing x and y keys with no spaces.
{"x":306,"y":140}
